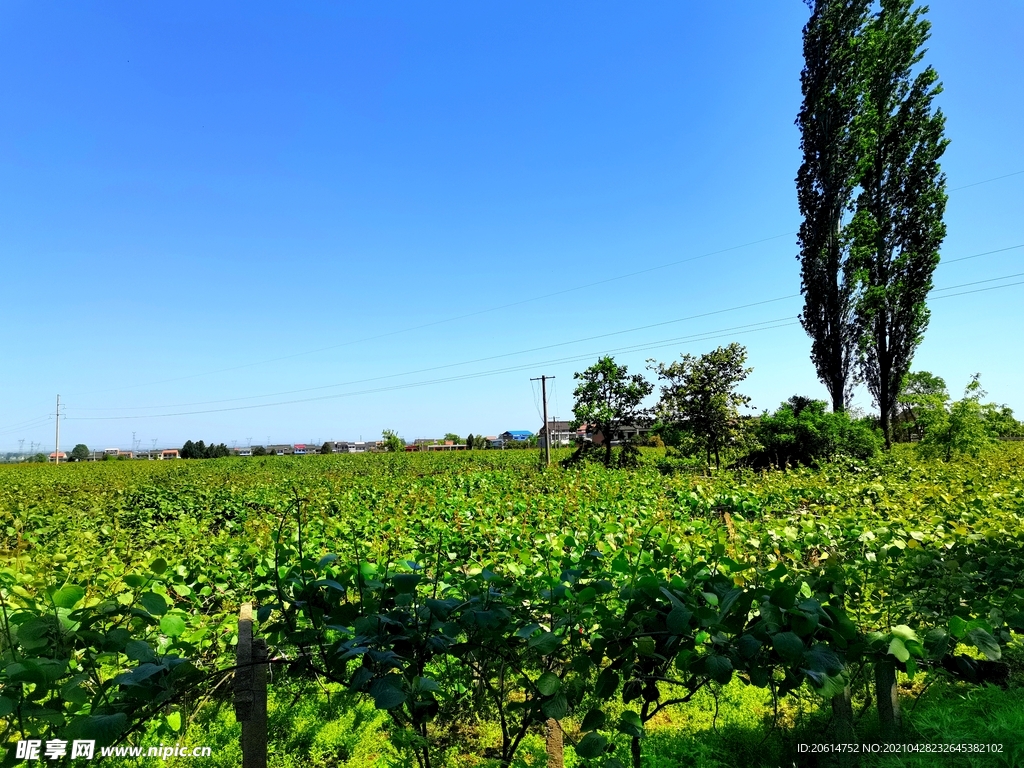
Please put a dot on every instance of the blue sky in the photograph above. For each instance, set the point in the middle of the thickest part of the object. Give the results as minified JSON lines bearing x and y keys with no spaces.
{"x":206,"y":208}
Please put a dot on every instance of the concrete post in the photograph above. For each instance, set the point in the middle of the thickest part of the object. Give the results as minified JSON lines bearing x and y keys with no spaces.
{"x":250,"y":689}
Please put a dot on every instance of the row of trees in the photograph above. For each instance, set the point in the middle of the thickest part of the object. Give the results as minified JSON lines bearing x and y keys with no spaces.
{"x":698,"y":406}
{"x":871,"y":193}
{"x":201,"y":450}
{"x":698,"y":415}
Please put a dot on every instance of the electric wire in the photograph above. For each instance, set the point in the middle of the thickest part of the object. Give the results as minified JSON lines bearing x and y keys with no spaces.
{"x":454,"y":365}
{"x":424,"y":370}
{"x":766,"y":325}
{"x":521,"y":302}
{"x":449,"y":319}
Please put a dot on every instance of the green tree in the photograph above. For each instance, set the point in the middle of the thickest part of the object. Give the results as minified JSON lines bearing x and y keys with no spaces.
{"x":327,"y":448}
{"x":470,"y":441}
{"x":803,"y":432}
{"x":825,"y":186}
{"x":392,"y":442}
{"x":608,"y":398}
{"x":919,"y":387}
{"x":259,"y":450}
{"x":698,"y":398}
{"x":954,"y":428}
{"x":1000,"y":423}
{"x":897,"y":228}
{"x":453,"y":437}
{"x":80,"y":452}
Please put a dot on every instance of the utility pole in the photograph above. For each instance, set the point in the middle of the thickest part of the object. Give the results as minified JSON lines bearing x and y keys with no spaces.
{"x":547,"y":428}
{"x":56,"y":450}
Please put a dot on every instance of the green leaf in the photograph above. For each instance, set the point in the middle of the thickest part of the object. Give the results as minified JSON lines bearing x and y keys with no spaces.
{"x":555,"y":707}
{"x":68,"y":596}
{"x":630,"y":724}
{"x":325,"y":561}
{"x":172,"y":626}
{"x":936,"y":642}
{"x":548,"y":684}
{"x":405,"y":583}
{"x":719,"y":668}
{"x":138,"y":650}
{"x":828,"y":686}
{"x":607,"y":683}
{"x":591,"y":745}
{"x":748,"y":646}
{"x":593,"y":720}
{"x":104,"y":729}
{"x":135,"y":581}
{"x":903,"y":632}
{"x":385,"y":695}
{"x":544,"y":643}
{"x":525,"y":632}
{"x":985,"y":643}
{"x":154,"y":603}
{"x":898,"y":649}
{"x":158,"y":566}
{"x":957,"y":627}
{"x":789,"y":646}
{"x":174,"y":721}
{"x":645,"y":645}
{"x":6,"y":706}
{"x":678,"y":620}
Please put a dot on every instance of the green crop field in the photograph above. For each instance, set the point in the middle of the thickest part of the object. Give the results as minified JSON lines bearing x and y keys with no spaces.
{"x":441,"y":609}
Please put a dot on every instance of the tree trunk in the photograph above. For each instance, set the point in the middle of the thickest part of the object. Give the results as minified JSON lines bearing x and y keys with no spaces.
{"x":553,"y":734}
{"x":841,"y":731}
{"x":888,"y":700}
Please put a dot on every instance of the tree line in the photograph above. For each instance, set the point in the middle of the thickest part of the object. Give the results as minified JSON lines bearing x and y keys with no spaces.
{"x":697,"y":417}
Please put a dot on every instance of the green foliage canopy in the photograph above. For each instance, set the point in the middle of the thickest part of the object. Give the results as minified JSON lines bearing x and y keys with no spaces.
{"x":699,"y":398}
{"x":608,"y":398}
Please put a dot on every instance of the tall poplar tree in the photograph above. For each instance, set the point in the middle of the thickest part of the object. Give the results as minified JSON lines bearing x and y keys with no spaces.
{"x":825,"y":183}
{"x":897,"y":228}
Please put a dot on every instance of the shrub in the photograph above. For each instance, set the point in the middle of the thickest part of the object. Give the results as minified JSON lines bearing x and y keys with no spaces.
{"x":803,"y":432}
{"x":955,"y":428}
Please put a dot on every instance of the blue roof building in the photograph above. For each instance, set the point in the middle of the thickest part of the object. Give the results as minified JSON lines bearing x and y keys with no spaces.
{"x":516,"y":434}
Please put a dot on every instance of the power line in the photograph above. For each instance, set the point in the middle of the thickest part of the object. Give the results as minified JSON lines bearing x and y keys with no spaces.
{"x":986,"y":253}
{"x":507,"y":354}
{"x":986,"y":181}
{"x":633,"y":348}
{"x":27,"y":426}
{"x":504,"y":306}
{"x":750,"y":328}
{"x":453,"y":319}
{"x":20,"y":424}
{"x":464,"y":362}
{"x":979,"y":282}
{"x":977,"y":290}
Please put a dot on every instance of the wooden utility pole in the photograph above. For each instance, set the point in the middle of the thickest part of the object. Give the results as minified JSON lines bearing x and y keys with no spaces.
{"x":56,"y":449}
{"x":547,"y":428}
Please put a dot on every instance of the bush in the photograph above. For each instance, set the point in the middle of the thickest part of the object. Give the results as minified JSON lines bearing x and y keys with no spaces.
{"x":803,"y":432}
{"x":955,"y":428}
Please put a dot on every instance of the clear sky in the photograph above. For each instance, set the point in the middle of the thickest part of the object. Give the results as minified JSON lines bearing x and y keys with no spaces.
{"x":207,"y":207}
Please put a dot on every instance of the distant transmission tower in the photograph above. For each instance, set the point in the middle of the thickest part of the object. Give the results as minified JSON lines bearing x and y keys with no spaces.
{"x":21,"y":446}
